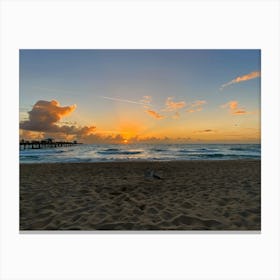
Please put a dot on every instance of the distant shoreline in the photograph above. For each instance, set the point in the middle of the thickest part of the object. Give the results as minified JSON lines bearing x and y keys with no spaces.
{"x":143,"y":161}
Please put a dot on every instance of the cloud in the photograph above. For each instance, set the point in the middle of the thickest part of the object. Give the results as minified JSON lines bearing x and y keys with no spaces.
{"x":26,"y":134}
{"x":146,"y":102}
{"x":196,"y":106}
{"x":118,"y":138}
{"x":231,"y":105}
{"x":247,"y":77}
{"x":172,"y":106}
{"x":45,"y":117}
{"x":198,"y":103}
{"x":234,"y":108}
{"x":147,"y":99}
{"x":205,"y":131}
{"x":191,"y":111}
{"x":101,"y":139}
{"x":155,"y":114}
{"x":240,"y":112}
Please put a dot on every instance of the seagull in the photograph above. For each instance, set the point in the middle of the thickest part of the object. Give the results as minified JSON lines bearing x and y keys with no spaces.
{"x":151,"y":174}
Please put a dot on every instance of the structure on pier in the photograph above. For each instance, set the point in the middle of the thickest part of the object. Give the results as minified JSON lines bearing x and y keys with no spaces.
{"x":47,"y":143}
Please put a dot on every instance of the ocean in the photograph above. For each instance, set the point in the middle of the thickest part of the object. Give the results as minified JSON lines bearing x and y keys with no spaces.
{"x":138,"y":152}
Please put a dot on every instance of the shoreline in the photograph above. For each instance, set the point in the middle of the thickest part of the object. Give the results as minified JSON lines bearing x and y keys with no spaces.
{"x":145,"y":160}
{"x":190,"y":195}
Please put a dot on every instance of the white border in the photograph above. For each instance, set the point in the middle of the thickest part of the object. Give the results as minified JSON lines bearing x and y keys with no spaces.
{"x":153,"y":24}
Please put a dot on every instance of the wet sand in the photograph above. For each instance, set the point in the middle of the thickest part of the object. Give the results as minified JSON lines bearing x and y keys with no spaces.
{"x":191,"y":195}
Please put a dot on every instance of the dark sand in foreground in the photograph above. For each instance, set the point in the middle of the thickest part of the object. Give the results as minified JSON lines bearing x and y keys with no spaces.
{"x":192,"y":195}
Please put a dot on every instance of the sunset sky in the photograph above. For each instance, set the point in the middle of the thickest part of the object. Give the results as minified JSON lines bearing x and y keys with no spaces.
{"x":127,"y":96}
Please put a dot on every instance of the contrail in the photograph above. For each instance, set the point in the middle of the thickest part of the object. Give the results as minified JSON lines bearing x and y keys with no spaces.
{"x":250,"y":76}
{"x":123,"y":100}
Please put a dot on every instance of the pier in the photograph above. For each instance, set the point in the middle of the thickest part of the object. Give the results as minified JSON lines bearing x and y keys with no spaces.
{"x":43,"y":144}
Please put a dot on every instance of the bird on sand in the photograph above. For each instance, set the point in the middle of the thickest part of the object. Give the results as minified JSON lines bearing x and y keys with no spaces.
{"x":152,"y":174}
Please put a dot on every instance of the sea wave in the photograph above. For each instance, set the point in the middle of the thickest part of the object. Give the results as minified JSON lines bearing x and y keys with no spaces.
{"x":97,"y":153}
{"x":245,"y":149}
{"x":158,"y":150}
{"x":202,"y":150}
{"x":118,"y":152}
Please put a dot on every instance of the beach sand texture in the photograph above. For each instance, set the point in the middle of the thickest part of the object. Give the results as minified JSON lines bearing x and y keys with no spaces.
{"x":192,"y":195}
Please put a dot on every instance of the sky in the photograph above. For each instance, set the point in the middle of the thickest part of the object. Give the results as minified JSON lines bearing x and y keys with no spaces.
{"x":132,"y":96}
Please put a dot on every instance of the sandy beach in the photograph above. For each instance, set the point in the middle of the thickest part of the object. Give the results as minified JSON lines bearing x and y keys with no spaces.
{"x":190,"y":195}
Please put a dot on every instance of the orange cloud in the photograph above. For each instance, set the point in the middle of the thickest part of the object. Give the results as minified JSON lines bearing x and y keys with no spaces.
{"x":45,"y":117}
{"x":250,"y":76}
{"x":205,"y":131}
{"x":171,"y":105}
{"x":101,"y":139}
{"x":26,"y":134}
{"x":198,"y":103}
{"x":196,"y":106}
{"x":191,"y":111}
{"x":232,"y":105}
{"x":119,"y":138}
{"x":234,"y":108}
{"x":154,"y":114}
{"x":240,"y":112}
